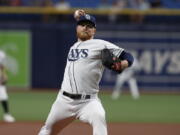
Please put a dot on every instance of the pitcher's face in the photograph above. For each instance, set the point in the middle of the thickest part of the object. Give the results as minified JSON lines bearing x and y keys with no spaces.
{"x":85,"y":31}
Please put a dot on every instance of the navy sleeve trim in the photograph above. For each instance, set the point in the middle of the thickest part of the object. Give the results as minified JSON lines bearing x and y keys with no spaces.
{"x":127,"y":56}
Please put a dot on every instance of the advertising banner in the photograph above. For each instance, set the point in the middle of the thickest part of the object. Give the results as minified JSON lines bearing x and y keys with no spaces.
{"x":158,"y":53}
{"x":16,"y":45}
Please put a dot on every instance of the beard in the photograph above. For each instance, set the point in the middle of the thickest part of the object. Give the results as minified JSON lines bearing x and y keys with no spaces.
{"x":83,"y":36}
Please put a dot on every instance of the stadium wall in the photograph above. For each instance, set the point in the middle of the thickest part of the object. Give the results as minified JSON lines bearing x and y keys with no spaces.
{"x":156,"y":46}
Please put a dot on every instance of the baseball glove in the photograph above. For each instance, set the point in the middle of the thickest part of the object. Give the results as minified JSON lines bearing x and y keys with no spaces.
{"x":110,"y":61}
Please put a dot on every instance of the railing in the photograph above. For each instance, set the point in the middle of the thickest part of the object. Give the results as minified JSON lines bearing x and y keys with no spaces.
{"x":51,"y":10}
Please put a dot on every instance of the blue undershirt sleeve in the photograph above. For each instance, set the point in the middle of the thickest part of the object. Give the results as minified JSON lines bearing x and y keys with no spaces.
{"x":127,"y":56}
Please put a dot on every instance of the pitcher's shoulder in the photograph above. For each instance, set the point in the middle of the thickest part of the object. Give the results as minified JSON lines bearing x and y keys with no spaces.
{"x":99,"y":41}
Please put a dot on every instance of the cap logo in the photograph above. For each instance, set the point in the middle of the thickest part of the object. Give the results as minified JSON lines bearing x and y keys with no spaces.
{"x":88,"y":17}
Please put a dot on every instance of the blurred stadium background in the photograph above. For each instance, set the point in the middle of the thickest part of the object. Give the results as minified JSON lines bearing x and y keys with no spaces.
{"x":37,"y":34}
{"x":37,"y":38}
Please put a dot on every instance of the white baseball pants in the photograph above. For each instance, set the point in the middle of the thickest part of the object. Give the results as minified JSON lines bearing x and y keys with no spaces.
{"x":65,"y":110}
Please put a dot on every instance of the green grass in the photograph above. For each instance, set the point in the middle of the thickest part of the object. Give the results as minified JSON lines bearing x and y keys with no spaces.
{"x":149,"y":108}
{"x":30,"y":105}
{"x":35,"y":106}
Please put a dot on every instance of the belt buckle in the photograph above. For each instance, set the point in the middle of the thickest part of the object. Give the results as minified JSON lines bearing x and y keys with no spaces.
{"x":83,"y":96}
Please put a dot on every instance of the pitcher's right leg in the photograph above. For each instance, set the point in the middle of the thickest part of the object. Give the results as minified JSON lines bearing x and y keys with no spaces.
{"x":44,"y":131}
{"x":56,"y":127}
{"x":59,"y":117}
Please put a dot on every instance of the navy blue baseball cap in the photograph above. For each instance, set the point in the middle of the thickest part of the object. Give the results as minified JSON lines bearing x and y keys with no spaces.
{"x":87,"y":18}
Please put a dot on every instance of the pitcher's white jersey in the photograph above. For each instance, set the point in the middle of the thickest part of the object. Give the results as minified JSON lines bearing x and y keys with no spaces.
{"x":84,"y":68}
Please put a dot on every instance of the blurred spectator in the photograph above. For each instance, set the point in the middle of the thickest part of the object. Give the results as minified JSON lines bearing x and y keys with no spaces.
{"x":171,"y":3}
{"x":34,"y":3}
{"x":47,"y":3}
{"x":16,"y":3}
{"x":104,"y":4}
{"x":117,"y":5}
{"x":40,"y":3}
{"x":4,"y":2}
{"x":62,"y":4}
{"x":155,"y":3}
{"x":139,"y":5}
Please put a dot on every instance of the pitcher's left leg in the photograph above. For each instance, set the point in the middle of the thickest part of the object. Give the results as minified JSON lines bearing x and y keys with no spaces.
{"x":99,"y":124}
{"x":94,"y":114}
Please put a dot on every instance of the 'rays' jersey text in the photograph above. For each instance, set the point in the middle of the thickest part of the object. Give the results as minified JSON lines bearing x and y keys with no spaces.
{"x":84,"y":66}
{"x":76,"y":54}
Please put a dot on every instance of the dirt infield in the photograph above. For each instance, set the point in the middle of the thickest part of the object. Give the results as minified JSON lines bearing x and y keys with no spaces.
{"x":77,"y":128}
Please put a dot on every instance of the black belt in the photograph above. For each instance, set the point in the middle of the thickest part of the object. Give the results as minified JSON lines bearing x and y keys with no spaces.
{"x":76,"y":96}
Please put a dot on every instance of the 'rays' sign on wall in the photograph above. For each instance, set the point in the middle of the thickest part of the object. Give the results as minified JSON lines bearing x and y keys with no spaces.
{"x":158,"y":53}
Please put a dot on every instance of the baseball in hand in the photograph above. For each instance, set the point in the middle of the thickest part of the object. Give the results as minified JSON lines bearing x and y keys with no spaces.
{"x":78,"y":13}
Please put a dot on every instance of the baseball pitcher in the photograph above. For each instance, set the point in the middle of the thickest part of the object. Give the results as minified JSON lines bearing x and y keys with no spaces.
{"x":78,"y":97}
